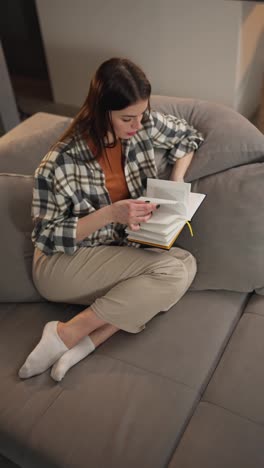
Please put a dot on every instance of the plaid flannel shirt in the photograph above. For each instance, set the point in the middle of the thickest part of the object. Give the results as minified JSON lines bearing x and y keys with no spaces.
{"x":69,"y":182}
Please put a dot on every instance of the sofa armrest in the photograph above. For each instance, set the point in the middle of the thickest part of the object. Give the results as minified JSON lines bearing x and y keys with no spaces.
{"x":24,"y":146}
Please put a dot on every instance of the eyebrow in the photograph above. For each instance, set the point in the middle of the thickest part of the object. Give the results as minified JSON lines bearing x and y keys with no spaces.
{"x":126,"y":115}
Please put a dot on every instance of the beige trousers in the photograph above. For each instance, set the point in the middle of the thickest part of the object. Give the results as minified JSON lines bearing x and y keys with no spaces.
{"x":124,"y":286}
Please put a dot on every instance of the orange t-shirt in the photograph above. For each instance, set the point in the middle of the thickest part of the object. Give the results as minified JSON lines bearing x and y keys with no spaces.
{"x":111,"y":162}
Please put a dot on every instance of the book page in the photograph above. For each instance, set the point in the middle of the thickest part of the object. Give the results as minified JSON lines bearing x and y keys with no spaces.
{"x":156,"y":239}
{"x":168,"y":211}
{"x":158,"y":201}
{"x":155,"y":236}
{"x":195,"y":201}
{"x":177,"y":206}
{"x":163,"y":229}
{"x":179,"y":191}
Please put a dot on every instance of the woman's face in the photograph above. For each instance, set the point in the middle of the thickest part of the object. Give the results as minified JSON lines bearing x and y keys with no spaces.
{"x":126,"y":122}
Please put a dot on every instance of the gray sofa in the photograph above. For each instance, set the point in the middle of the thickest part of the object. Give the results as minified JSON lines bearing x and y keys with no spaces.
{"x":187,"y":392}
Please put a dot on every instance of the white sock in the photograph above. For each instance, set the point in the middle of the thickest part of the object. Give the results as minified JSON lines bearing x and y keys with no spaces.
{"x":71,"y":357}
{"x":49,"y":350}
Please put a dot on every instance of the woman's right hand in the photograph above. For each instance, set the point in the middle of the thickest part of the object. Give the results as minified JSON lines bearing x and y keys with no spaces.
{"x":132,"y":212}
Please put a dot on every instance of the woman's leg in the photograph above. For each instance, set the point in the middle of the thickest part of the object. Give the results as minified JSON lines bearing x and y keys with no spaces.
{"x":67,"y":343}
{"x":85,"y":346}
{"x":126,"y":287}
{"x":58,"y":338}
{"x":83,"y":324}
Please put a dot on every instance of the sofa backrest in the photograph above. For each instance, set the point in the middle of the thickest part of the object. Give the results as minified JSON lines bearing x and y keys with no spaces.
{"x":228,"y":168}
{"x":230,"y":139}
{"x":16,"y":248}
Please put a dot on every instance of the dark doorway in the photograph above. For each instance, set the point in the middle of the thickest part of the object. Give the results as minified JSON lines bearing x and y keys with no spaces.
{"x":23,"y":49}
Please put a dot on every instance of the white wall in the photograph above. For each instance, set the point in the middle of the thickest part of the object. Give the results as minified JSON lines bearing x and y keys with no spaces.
{"x":250,"y":71}
{"x":187,"y":48}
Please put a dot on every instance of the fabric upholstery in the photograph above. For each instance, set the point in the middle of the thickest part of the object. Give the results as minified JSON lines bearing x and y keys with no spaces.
{"x":219,"y":438}
{"x":144,"y":388}
{"x":229,"y":169}
{"x":16,"y":249}
{"x":22,"y":149}
{"x":227,"y":225}
{"x":133,"y":390}
{"x":230,"y":139}
{"x":226,"y":429}
{"x":241,"y":369}
{"x":201,"y":321}
{"x":229,"y":230}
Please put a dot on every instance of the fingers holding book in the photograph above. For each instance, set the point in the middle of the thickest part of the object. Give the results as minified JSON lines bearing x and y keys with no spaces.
{"x":132,"y":212}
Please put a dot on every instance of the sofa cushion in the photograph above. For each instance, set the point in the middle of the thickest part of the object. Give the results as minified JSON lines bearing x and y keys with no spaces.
{"x":186,"y":342}
{"x":227,"y":427}
{"x":22,"y":148}
{"x":241,"y":367}
{"x":229,"y":231}
{"x":228,"y":167}
{"x":142,"y":387}
{"x":5,"y":463}
{"x":38,"y":417}
{"x":230,"y":139}
{"x":16,"y":248}
{"x":256,"y":305}
{"x":218,"y":438}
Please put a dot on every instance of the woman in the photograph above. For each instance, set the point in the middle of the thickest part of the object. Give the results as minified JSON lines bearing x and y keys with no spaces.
{"x":85,"y":194}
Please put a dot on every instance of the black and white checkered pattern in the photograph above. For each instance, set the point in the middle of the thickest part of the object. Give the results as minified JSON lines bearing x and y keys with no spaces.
{"x":69,"y":182}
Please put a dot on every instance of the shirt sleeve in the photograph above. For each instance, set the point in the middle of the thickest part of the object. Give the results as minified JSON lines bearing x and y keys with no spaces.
{"x":174,"y":134}
{"x":54,"y":225}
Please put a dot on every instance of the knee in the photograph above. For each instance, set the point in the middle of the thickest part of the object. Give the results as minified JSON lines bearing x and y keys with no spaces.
{"x":191,"y":269}
{"x":184,"y":272}
{"x":176,"y":272}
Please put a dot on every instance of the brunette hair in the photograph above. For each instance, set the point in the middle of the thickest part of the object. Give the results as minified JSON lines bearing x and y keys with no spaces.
{"x":118,"y":83}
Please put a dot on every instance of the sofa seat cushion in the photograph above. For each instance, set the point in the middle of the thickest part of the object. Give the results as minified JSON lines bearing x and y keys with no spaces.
{"x":227,"y":429}
{"x":256,"y":305}
{"x":133,"y":390}
{"x":184,"y":344}
{"x":218,"y":438}
{"x":238,"y":382}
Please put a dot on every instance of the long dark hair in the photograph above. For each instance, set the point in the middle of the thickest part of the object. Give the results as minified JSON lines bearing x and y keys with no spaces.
{"x":118,"y":83}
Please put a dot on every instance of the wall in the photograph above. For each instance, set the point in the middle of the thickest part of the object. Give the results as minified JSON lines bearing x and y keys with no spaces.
{"x":250,"y":71}
{"x":187,"y":48}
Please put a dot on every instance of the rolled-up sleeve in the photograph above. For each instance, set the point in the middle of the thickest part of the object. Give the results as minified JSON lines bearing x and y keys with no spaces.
{"x":173,"y":134}
{"x":54,"y":226}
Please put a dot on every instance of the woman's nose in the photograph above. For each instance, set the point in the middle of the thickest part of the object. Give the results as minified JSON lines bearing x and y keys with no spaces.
{"x":137,"y":124}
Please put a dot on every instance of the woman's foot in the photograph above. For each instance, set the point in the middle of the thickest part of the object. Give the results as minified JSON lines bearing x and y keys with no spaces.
{"x":49,"y":349}
{"x":81,"y":350}
{"x":71,"y":357}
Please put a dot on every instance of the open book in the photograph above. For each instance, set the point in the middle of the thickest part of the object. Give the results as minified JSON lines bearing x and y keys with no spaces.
{"x":177,"y":207}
